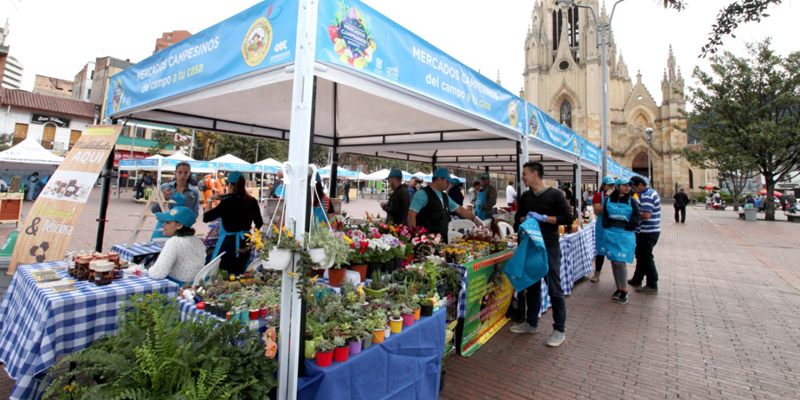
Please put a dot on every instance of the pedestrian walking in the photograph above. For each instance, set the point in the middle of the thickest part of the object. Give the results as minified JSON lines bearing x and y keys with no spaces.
{"x":680,"y":201}
{"x":646,"y":237}
{"x":549,"y":207}
{"x":597,"y":204}
{"x":620,"y":219}
{"x":346,"y":190}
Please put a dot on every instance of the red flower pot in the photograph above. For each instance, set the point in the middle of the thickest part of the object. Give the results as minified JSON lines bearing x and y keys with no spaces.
{"x":262,"y":313}
{"x":336,"y":276}
{"x":324,"y":359}
{"x":340,"y":354}
{"x":361,"y":269}
{"x":408,"y":320}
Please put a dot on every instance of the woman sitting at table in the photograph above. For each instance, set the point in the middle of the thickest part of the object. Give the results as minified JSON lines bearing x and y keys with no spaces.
{"x":238,"y":212}
{"x":184,"y":254}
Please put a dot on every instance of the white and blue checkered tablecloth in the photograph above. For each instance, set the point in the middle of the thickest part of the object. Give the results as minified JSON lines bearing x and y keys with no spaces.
{"x":39,"y":325}
{"x":577,"y":254}
{"x":137,"y":249}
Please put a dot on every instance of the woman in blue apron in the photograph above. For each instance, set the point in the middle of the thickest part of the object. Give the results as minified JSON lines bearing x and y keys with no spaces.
{"x":620,"y":219}
{"x":479,"y":203}
{"x":322,"y":204}
{"x":597,"y":204}
{"x":179,"y":191}
{"x":238,"y":212}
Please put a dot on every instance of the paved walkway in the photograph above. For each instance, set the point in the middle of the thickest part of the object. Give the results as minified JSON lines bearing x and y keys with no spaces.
{"x":725,"y":325}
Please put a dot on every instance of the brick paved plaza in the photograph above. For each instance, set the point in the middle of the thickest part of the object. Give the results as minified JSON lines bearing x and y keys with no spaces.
{"x":725,"y":325}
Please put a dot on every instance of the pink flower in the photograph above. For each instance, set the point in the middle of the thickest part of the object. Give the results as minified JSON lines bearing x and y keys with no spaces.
{"x":270,"y":349}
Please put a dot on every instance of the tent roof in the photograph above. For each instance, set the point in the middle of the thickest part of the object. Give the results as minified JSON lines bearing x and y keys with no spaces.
{"x":180,"y":157}
{"x":270,"y":162}
{"x":29,"y":151}
{"x":230,"y":159}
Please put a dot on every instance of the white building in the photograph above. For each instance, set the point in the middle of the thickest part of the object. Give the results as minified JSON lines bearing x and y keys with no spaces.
{"x":54,"y":122}
{"x":12,"y":76}
{"x":82,"y":84}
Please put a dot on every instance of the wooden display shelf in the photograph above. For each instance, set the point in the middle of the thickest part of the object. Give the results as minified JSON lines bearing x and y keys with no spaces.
{"x":11,"y":208}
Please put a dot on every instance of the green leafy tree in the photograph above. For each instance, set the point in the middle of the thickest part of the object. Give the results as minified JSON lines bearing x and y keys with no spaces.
{"x":728,"y":19}
{"x":720,"y":154}
{"x":163,"y":140}
{"x":748,"y":113}
{"x":5,"y":141}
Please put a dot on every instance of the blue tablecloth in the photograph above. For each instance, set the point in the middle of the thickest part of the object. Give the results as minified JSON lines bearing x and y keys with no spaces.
{"x":577,"y":255}
{"x":405,"y":366}
{"x":39,"y":325}
{"x":136,"y":250}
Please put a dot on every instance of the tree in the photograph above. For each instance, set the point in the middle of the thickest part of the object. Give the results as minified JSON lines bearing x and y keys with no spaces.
{"x":717,"y":153}
{"x":748,"y":111}
{"x":728,"y":19}
{"x":5,"y":141}
{"x":163,"y":140}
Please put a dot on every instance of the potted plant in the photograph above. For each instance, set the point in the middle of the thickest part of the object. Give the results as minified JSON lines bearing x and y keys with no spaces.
{"x":341,"y":350}
{"x":415,"y":307}
{"x":377,"y":287}
{"x":275,"y":249}
{"x":426,"y":307}
{"x":357,"y":335}
{"x":378,"y":329}
{"x":324,"y":353}
{"x":356,"y":257}
{"x":408,"y":316}
{"x":396,"y":320}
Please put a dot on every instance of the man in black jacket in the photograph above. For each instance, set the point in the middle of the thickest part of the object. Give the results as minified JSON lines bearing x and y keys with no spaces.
{"x":681,"y":200}
{"x":397,"y":207}
{"x":548,"y":206}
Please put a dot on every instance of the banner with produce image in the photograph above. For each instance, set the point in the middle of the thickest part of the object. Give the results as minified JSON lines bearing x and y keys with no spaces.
{"x":353,"y":35}
{"x":489,"y":295}
{"x":50,"y":223}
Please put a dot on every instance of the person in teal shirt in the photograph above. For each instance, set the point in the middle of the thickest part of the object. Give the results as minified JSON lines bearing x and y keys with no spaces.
{"x":435,"y":215}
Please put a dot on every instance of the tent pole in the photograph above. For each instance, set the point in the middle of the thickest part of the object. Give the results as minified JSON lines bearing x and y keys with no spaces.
{"x":519,"y":167}
{"x":525,"y":159}
{"x":302,"y":115}
{"x":578,"y":203}
{"x":105,"y":188}
{"x":119,"y":173}
{"x":334,"y":191}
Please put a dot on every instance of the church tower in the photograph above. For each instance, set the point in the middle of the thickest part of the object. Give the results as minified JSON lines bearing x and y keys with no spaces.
{"x":562,"y":78}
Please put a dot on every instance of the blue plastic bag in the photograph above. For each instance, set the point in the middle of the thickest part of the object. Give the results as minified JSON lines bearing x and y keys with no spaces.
{"x":528,"y":265}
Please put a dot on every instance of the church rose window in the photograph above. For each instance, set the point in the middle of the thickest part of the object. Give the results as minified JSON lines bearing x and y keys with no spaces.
{"x":564,"y":65}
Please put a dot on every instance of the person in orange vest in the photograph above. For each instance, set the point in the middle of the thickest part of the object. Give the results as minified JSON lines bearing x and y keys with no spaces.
{"x":219,"y":186}
{"x":208,"y":181}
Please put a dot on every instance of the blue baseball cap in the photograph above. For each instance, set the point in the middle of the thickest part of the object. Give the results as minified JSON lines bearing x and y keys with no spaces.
{"x":622,"y":181}
{"x":234,"y":177}
{"x":608,"y":180}
{"x":444,"y":173}
{"x":485,"y":176}
{"x":180,"y":214}
{"x":395,"y":173}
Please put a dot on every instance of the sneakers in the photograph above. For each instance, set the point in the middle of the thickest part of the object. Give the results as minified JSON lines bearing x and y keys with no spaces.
{"x":556,"y":339}
{"x":615,"y":296}
{"x":523,"y":328}
{"x":623,"y":297}
{"x":596,"y":277}
{"x":647,"y":290}
{"x":634,"y":284}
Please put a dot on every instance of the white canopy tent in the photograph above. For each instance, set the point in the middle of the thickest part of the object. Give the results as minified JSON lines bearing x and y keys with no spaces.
{"x":322,"y":101}
{"x":27,"y":157}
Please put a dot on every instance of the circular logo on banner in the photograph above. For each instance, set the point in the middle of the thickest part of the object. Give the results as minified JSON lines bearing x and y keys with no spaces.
{"x":351,"y":36}
{"x":513,"y":116}
{"x":257,"y":41}
{"x":533,"y":123}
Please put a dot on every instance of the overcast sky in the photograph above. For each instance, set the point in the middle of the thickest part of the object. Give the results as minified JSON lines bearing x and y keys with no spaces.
{"x":57,"y":37}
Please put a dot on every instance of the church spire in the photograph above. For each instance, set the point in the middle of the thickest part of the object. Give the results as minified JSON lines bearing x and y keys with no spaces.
{"x":672,"y":85}
{"x":498,"y":78}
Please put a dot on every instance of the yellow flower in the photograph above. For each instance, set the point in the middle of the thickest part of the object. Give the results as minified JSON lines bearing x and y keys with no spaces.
{"x":314,"y":279}
{"x":292,"y":274}
{"x":347,"y":239}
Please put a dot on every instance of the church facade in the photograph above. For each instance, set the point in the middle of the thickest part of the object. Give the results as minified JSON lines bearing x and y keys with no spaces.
{"x":562,"y":78}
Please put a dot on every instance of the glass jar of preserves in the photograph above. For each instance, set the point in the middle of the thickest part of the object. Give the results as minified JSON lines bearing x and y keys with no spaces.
{"x":114,"y":258}
{"x":82,"y":267}
{"x":103,"y":273}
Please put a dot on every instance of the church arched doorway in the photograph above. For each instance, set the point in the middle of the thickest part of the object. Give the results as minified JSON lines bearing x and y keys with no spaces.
{"x":639,"y":164}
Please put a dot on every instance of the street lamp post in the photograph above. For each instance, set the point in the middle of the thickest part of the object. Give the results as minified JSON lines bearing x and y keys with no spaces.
{"x":648,"y":134}
{"x":602,"y":42}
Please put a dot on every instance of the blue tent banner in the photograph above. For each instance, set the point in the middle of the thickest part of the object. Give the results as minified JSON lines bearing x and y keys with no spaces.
{"x":238,"y":167}
{"x":548,"y":130}
{"x":590,"y":152}
{"x":353,"y":35}
{"x":147,"y":163}
{"x":260,"y":37}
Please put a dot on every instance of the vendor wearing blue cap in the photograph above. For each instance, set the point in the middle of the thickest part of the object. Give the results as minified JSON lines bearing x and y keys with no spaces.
{"x":238,"y":212}
{"x":621,"y":216}
{"x":435,"y":215}
{"x":399,"y":202}
{"x":597,"y":204}
{"x":322,"y":203}
{"x":184,"y":254}
{"x":487,"y":198}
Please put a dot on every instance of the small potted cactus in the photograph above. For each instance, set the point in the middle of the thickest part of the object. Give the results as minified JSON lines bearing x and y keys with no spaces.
{"x":408,"y":316}
{"x":341,"y":350}
{"x":396,"y":321}
{"x":324,"y":353}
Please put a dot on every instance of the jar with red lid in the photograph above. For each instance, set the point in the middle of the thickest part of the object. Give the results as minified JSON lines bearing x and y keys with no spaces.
{"x":114,"y":258}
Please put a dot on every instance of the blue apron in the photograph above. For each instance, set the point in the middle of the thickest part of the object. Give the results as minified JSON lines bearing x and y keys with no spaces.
{"x":599,"y":231}
{"x":620,"y":244}
{"x":223,"y":234}
{"x":179,"y":200}
{"x":319,"y":216}
{"x":479,"y":203}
